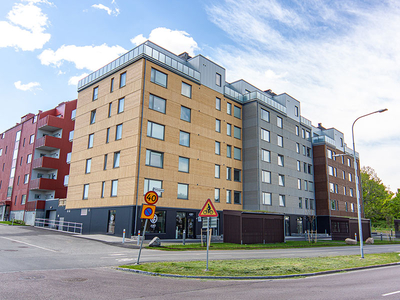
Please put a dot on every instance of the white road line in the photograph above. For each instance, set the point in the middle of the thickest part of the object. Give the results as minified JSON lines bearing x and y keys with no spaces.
{"x":392,"y":293}
{"x":29,"y":244}
{"x":116,"y":254}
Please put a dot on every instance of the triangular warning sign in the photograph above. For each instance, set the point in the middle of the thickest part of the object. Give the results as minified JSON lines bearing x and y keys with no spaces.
{"x":208,"y":210}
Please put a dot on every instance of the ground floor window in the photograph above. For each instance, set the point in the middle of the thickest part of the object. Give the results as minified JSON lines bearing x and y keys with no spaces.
{"x":157,"y":224}
{"x":111,"y":221}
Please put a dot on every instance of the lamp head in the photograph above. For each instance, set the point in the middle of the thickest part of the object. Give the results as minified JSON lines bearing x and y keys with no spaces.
{"x":382,"y":110}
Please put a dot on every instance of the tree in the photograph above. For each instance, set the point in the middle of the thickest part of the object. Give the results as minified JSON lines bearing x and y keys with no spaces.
{"x":377,"y":199}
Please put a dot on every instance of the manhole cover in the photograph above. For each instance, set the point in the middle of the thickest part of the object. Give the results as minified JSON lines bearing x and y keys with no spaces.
{"x":33,"y":277}
{"x":76,"y":279}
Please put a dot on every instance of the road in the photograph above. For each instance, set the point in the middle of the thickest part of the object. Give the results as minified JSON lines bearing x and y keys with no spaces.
{"x":41,"y":264}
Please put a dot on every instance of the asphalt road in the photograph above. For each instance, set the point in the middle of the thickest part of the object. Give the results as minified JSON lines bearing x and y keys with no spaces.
{"x":41,"y":264}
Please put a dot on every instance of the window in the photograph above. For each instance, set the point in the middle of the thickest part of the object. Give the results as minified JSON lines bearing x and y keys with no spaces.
{"x":23,"y":199}
{"x":266,"y":176}
{"x":153,"y":159}
{"x":331,"y":187}
{"x":297,"y":130}
{"x":20,"y":161}
{"x":264,"y":135}
{"x":186,"y":90}
{"x":109,"y":109}
{"x":237,"y":153}
{"x":1,"y":151}
{"x":155,"y":130}
{"x":185,"y":114}
{"x":217,"y":125}
{"x":352,"y":207}
{"x":346,"y":206}
{"x":121,"y":104}
{"x":351,"y":192}
{"x":112,"y":85}
{"x":296,"y":111}
{"x":26,"y":178}
{"x":228,"y":151}
{"x":103,"y":187}
{"x":237,"y":112}
{"x":310,"y":186}
{"x":217,"y":171}
{"x":343,"y":174}
{"x":228,"y":129}
{"x":312,"y":204}
{"x":266,"y":198}
{"x":304,"y":150}
{"x":108,"y":135}
{"x":280,"y":141}
{"x":305,"y":185}
{"x":88,"y":165}
{"x":299,"y":184}
{"x":29,"y":158}
{"x":183,"y":191}
{"x":298,"y":166}
{"x":280,"y":160}
{"x":217,"y":104}
{"x":122,"y":80}
{"x":349,"y":162}
{"x":237,"y":197}
{"x":297,"y":148}
{"x":333,"y":205}
{"x":330,"y":154}
{"x":282,"y":200}
{"x":150,"y":184}
{"x":308,"y":151}
{"x":118,"y":132}
{"x":85,"y":191}
{"x":237,"y":175}
{"x":90,"y":140}
{"x":279,"y":122}
{"x":306,"y":203}
{"x":303,"y":133}
{"x":158,"y":77}
{"x":308,"y":135}
{"x":105,"y":162}
{"x":228,"y":108}
{"x":218,"y":79}
{"x":310,"y":169}
{"x":95,"y":93}
{"x":217,"y":148}
{"x":114,"y":188}
{"x":92,"y":116}
{"x":330,"y":170}
{"x":265,"y":155}
{"x":117,"y":156}
{"x":281,"y":180}
{"x":228,"y":173}
{"x":300,"y":202}
{"x":184,"y":138}
{"x":183,"y":164}
{"x":237,"y":132}
{"x":216,"y":195}
{"x":350,"y":177}
{"x":228,"y":196}
{"x":264,"y":115}
{"x":157,"y":103}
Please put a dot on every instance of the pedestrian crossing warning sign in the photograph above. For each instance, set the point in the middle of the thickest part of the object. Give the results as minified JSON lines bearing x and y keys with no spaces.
{"x":208,"y":210}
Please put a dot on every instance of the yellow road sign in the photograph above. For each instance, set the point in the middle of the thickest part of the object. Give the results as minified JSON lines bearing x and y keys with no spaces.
{"x":148,"y":211}
{"x":151,"y":197}
{"x":208,"y":210}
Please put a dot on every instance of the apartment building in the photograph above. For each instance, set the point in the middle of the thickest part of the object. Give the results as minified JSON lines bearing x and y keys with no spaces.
{"x":33,"y":157}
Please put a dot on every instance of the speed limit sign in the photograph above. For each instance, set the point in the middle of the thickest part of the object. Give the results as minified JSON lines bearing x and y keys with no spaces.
{"x":151,"y":197}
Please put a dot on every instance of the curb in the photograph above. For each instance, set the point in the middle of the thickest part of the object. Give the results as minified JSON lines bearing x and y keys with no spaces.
{"x":257,"y":277}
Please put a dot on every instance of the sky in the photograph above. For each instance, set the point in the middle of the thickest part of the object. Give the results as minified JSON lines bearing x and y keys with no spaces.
{"x":340,"y":59}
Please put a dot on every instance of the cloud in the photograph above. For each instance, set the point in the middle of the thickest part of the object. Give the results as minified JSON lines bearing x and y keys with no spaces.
{"x":27,"y":87}
{"x":109,"y":11}
{"x":25,"y":28}
{"x":174,"y":40}
{"x":340,"y":59}
{"x":86,"y":57}
{"x":75,"y":79}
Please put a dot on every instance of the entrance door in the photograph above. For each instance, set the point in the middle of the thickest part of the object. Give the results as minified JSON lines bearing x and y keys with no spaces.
{"x":191,"y":221}
{"x":52,"y":218}
{"x":299,"y":225}
{"x":180,"y":224}
{"x":287,"y":226}
{"x":111,"y":221}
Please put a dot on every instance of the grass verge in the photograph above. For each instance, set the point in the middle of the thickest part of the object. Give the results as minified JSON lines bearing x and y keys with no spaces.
{"x":266,"y":267}
{"x":15,"y":223}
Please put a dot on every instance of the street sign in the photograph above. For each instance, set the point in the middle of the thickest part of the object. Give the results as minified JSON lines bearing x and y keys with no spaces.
{"x":148,"y":211}
{"x":208,"y":210}
{"x":151,"y":197}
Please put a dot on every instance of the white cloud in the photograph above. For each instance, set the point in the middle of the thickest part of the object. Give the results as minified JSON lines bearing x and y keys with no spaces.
{"x":25,"y":29}
{"x":174,"y":40}
{"x":340,"y":60}
{"x":109,"y":11}
{"x":75,"y":79}
{"x":27,"y":87}
{"x":86,"y":57}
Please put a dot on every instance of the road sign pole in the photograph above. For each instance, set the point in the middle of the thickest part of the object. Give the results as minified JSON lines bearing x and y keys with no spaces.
{"x":208,"y":229}
{"x":141,"y":244}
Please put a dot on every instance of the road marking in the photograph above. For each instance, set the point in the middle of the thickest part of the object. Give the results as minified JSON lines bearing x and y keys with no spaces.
{"x":392,"y":293}
{"x":29,"y":244}
{"x":125,"y":259}
{"x":116,"y":254}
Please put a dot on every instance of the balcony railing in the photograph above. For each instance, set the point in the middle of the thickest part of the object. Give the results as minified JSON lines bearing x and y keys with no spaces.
{"x":47,"y":143}
{"x":50,"y":123}
{"x":45,"y":163}
{"x":43,"y":184}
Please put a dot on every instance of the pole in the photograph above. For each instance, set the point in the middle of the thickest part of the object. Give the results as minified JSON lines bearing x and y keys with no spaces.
{"x":208,"y":228}
{"x":123,"y":237}
{"x":141,"y":244}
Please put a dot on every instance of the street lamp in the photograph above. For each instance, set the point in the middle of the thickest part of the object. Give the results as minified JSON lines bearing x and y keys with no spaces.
{"x":356,"y":176}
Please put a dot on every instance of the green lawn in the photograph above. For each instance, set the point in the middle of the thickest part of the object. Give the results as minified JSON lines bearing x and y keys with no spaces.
{"x":17,"y":223}
{"x":266,"y":267}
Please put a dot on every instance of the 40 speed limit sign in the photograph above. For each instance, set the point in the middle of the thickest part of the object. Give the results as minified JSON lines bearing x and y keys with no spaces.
{"x":151,"y":197}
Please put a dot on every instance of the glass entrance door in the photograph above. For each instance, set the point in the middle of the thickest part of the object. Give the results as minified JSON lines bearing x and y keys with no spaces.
{"x":191,"y":232}
{"x":111,"y":221}
{"x":180,"y":224}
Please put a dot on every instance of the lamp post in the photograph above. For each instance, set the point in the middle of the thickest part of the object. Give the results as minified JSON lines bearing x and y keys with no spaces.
{"x":357,"y":181}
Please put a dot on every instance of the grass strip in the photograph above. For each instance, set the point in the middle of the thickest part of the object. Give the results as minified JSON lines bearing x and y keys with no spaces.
{"x":15,"y":223}
{"x":266,"y":267}
{"x":288,"y":244}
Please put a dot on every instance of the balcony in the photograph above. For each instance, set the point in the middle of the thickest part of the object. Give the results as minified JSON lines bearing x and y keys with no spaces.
{"x":43,"y":184}
{"x":48,"y":143}
{"x":50,"y":123}
{"x":45,"y":163}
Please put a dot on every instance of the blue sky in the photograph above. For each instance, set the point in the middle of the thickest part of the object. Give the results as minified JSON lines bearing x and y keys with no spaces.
{"x":340,"y":59}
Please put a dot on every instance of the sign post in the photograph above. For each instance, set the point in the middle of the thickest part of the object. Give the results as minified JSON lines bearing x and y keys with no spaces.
{"x":208,"y":211}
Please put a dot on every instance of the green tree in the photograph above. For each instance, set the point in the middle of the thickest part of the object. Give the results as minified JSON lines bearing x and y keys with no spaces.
{"x":377,"y":199}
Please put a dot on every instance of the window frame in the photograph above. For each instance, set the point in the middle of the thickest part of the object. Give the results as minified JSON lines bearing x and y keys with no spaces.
{"x":186,"y":196}
{"x":151,"y":125}
{"x":186,"y":90}
{"x":122,"y":80}
{"x":118,"y":129}
{"x":182,"y":138}
{"x":153,"y":77}
{"x":153,"y":100}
